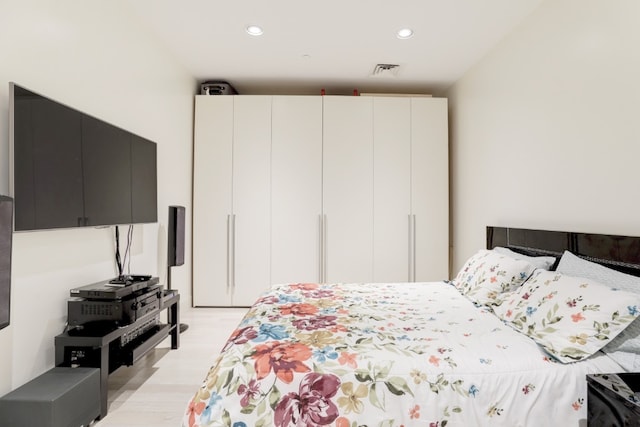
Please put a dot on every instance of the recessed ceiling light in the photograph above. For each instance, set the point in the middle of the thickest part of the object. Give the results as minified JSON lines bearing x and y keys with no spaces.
{"x":254,"y":30}
{"x":404,"y":33}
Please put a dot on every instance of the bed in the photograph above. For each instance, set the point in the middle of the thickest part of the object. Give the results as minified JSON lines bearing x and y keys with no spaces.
{"x":508,"y":342}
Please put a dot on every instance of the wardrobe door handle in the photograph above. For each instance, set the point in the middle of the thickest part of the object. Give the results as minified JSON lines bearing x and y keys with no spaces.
{"x":228,"y":253}
{"x":233,"y":253}
{"x":320,"y":247}
{"x":324,"y":248}
{"x":412,"y":248}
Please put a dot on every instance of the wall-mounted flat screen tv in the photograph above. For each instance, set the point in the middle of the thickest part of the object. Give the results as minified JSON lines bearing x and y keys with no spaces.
{"x":6,"y":219}
{"x":69,"y":169}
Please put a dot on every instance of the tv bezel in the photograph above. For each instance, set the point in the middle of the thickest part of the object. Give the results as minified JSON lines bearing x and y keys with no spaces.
{"x":5,"y":274}
{"x":12,"y":166}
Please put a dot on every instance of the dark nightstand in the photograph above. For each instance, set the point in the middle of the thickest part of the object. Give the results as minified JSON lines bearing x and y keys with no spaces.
{"x":613,"y":399}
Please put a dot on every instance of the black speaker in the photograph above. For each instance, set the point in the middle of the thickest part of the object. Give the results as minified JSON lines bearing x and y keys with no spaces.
{"x":6,"y":235}
{"x":176,"y":236}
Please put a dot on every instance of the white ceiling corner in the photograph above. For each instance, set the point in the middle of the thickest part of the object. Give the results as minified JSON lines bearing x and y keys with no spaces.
{"x":332,"y":44}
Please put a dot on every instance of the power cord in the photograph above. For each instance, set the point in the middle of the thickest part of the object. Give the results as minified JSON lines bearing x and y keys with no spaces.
{"x":118,"y":260}
{"x":126,"y":259}
{"x":127,"y":252}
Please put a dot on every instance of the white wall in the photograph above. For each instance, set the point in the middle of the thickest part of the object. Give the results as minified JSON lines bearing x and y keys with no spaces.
{"x":545,"y":130}
{"x":90,"y":55}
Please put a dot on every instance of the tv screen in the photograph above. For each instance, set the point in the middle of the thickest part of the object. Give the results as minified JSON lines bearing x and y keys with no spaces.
{"x":70,"y":169}
{"x":6,"y":219}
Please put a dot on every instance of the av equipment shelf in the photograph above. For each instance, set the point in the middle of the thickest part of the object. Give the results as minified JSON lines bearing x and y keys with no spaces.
{"x":112,"y":347}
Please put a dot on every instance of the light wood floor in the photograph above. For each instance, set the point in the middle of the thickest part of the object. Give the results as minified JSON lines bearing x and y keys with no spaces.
{"x":154,"y":392}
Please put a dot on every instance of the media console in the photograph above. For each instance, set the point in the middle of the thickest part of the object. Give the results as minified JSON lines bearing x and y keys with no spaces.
{"x":109,"y":345}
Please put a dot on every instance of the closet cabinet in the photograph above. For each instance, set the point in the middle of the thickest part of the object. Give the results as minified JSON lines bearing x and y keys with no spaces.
{"x":392,"y":190}
{"x":385,"y":189}
{"x":212,"y":200}
{"x":257,"y":195}
{"x":347,"y":189}
{"x":430,"y":189}
{"x":317,"y":189}
{"x":251,"y":199}
{"x":411,"y":189}
{"x":232,"y":199}
{"x":296,"y":189}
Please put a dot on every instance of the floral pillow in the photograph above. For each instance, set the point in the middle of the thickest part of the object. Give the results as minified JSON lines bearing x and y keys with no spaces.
{"x":571,"y":317}
{"x":625,"y":348}
{"x":544,"y":262}
{"x":488,"y":274}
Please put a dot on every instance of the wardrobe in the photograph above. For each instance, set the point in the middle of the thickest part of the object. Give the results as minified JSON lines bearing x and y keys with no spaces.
{"x":291,"y":189}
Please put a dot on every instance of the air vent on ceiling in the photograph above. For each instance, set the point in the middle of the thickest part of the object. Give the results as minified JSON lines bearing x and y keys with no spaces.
{"x":389,"y":70}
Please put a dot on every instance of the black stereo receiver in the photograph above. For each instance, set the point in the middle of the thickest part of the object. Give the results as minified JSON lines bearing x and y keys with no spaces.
{"x":114,"y":289}
{"x":123,"y":311}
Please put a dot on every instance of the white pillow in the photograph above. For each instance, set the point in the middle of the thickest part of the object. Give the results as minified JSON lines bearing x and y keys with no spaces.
{"x":625,"y":348}
{"x":630,"y":361}
{"x":544,"y":262}
{"x":573,"y":265}
{"x":571,"y":317}
{"x":487,"y":274}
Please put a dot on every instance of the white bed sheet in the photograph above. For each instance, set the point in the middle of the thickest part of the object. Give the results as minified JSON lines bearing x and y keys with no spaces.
{"x":390,"y":354}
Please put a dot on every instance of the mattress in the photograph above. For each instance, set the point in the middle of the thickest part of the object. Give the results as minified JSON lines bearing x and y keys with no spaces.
{"x":386,"y":354}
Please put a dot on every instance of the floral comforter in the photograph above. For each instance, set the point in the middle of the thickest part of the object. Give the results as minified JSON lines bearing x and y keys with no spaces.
{"x":388,"y":355}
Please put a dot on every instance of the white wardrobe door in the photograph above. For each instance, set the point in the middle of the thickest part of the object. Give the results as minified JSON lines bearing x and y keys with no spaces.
{"x":392,"y":188}
{"x":348,"y":188}
{"x":296,"y":188}
{"x":430,"y":187}
{"x":213,"y":138}
{"x":251,"y":197}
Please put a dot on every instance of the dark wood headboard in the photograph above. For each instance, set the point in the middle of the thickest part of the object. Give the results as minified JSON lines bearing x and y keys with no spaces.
{"x":621,"y":253}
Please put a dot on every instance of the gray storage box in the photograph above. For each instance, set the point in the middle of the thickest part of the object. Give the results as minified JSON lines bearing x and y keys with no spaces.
{"x":61,"y":397}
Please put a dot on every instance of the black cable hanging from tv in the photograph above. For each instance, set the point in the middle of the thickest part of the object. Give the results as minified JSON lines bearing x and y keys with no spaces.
{"x":127,"y":253}
{"x":126,"y":259}
{"x":118,"y":260}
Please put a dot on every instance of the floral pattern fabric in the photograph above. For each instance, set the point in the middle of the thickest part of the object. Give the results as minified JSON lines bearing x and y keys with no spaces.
{"x":571,"y":317}
{"x":387,"y":355}
{"x":488,"y":273}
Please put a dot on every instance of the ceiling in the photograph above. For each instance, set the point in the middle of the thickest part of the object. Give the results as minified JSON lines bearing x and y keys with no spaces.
{"x":333,"y":45}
